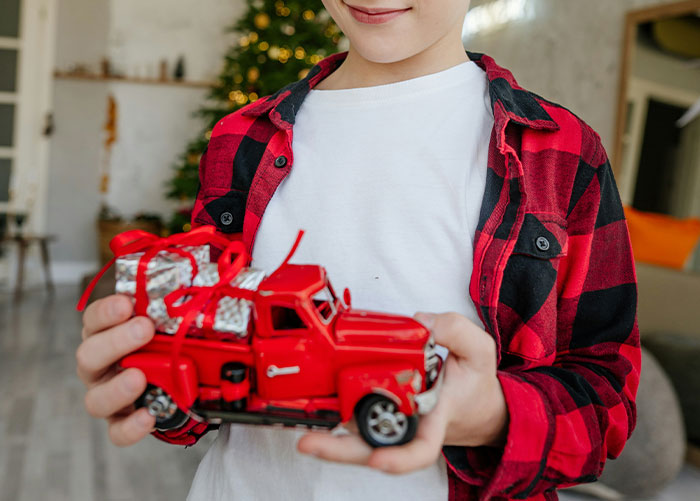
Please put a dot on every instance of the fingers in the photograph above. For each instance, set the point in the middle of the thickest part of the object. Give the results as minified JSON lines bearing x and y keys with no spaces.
{"x":106,"y":313}
{"x":459,"y":335}
{"x":107,"y":399}
{"x":344,"y":449}
{"x":125,"y":431}
{"x":108,"y":335}
{"x":100,"y":351}
{"x":418,"y":454}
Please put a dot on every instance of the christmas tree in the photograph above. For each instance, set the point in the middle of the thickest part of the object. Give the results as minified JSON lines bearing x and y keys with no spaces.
{"x":278,"y":42}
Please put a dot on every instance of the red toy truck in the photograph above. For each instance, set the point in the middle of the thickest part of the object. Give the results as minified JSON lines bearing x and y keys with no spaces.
{"x":308,"y":359}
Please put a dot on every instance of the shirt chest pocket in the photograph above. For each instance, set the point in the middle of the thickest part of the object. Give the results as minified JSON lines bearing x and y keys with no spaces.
{"x":527,"y":312}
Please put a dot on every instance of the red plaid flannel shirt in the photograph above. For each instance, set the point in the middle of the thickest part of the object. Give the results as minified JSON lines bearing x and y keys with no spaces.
{"x":553,"y":278}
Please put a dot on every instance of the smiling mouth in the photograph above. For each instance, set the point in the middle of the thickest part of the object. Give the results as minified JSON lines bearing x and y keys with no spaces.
{"x":368,"y":15}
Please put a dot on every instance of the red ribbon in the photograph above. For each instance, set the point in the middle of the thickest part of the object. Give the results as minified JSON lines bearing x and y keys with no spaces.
{"x":134,"y":241}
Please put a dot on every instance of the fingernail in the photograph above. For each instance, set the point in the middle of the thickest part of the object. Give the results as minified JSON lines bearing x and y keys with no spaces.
{"x":427,"y":319}
{"x":131,"y":383}
{"x":117,"y":309}
{"x":145,"y":419}
{"x":139,"y":331}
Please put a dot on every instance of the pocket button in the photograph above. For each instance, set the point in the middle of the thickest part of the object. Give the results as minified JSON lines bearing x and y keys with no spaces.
{"x":226,"y":218}
{"x":542,"y":244}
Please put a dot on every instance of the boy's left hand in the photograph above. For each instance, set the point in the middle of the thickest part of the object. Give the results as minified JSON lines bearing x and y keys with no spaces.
{"x":471,"y":408}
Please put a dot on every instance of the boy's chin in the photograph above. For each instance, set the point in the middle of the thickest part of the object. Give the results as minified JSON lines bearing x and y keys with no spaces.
{"x":384,"y":55}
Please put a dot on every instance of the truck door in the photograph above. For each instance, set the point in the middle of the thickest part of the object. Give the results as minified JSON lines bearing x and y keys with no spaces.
{"x":293,"y":360}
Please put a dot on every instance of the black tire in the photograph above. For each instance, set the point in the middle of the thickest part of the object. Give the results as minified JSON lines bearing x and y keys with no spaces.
{"x":160,"y":404}
{"x":381,"y":424}
{"x":234,"y":406}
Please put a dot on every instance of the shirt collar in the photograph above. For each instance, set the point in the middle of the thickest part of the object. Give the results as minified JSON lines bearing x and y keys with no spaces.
{"x":508,"y":100}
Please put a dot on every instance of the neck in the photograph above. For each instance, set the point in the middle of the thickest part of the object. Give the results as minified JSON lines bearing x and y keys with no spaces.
{"x":356,"y":71}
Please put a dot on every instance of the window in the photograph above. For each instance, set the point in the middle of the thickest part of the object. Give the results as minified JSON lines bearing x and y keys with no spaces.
{"x":324,"y":301}
{"x":285,"y":319}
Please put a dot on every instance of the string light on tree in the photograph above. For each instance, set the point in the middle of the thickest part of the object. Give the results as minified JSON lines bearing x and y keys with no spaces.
{"x":253,"y":74}
{"x":273,"y":53}
{"x":262,"y":21}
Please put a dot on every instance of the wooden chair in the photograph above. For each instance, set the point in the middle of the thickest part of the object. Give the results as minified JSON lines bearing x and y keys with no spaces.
{"x":23,"y":243}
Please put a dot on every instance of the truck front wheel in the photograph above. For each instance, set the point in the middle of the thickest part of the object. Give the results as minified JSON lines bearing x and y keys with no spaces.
{"x":381,"y":424}
{"x":161,"y":405}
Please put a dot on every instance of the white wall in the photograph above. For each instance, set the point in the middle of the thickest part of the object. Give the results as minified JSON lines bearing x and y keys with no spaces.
{"x":155,"y":125}
{"x":570,"y":52}
{"x":155,"y":122}
{"x":144,"y":32}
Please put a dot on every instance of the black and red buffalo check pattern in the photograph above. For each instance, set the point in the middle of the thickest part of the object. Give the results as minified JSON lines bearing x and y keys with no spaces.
{"x":553,"y":279}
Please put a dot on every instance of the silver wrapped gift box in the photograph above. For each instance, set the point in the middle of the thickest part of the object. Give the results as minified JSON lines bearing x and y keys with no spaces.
{"x":168,"y":271}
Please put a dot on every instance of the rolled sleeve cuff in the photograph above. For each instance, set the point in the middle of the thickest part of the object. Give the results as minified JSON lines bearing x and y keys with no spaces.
{"x":515,"y":468}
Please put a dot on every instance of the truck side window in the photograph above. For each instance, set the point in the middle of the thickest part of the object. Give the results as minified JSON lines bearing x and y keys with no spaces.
{"x":284,"y":319}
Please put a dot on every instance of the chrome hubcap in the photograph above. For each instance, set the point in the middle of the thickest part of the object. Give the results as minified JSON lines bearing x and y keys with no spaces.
{"x":159,"y":404}
{"x":385,"y":424}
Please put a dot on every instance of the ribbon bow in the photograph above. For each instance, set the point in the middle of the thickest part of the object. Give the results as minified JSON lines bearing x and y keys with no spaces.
{"x":134,"y":241}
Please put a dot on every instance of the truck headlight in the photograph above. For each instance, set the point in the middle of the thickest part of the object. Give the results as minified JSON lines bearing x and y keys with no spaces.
{"x":431,"y":361}
{"x":417,"y":381}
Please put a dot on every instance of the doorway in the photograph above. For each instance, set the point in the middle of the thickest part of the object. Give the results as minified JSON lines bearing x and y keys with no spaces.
{"x":27,"y":32}
{"x":658,"y":163}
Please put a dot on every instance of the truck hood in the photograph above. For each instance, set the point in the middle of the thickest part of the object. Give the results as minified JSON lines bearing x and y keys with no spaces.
{"x":358,"y":327}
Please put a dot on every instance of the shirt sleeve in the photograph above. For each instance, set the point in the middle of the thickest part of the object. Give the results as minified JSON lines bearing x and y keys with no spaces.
{"x":187,"y":435}
{"x":566,"y":418}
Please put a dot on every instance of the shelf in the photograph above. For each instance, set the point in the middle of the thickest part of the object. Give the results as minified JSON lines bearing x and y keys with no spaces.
{"x":131,"y":80}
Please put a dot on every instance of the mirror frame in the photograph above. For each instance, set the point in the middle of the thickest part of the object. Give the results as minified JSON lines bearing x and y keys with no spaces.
{"x":632,"y":21}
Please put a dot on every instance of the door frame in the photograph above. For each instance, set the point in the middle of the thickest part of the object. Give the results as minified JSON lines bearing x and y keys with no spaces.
{"x":632,"y":21}
{"x":33,"y":103}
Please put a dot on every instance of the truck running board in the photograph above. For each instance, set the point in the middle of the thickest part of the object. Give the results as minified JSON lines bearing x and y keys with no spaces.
{"x":218,"y":416}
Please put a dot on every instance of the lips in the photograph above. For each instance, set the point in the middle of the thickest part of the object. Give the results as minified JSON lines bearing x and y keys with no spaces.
{"x":377,"y":15}
{"x":369,"y":10}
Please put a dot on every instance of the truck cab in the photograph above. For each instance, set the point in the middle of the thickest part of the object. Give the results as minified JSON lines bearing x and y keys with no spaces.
{"x":295,"y":311}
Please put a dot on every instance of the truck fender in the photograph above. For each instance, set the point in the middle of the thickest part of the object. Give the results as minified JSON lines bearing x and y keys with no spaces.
{"x":355,"y":383}
{"x":157,"y":368}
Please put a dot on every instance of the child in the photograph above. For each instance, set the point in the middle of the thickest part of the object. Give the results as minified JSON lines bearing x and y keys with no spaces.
{"x":427,"y":180}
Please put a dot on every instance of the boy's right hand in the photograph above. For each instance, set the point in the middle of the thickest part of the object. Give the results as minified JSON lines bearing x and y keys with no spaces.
{"x":109,"y":333}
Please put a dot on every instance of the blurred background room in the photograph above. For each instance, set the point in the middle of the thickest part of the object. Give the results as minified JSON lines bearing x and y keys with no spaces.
{"x":106,"y":106}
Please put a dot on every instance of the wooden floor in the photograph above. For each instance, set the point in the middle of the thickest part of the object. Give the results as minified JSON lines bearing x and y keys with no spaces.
{"x":50,"y":449}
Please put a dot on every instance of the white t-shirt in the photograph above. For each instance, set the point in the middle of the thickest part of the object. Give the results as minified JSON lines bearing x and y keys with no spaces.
{"x":388,"y":182}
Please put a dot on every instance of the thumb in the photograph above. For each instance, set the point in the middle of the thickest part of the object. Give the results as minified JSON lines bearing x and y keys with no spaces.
{"x":455,"y":332}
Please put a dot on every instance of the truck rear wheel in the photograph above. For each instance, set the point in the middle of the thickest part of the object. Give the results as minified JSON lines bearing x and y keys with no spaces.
{"x":162,"y":406}
{"x":381,"y":424}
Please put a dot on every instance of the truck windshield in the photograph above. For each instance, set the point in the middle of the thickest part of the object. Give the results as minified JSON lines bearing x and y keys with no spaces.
{"x":325,"y":303}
